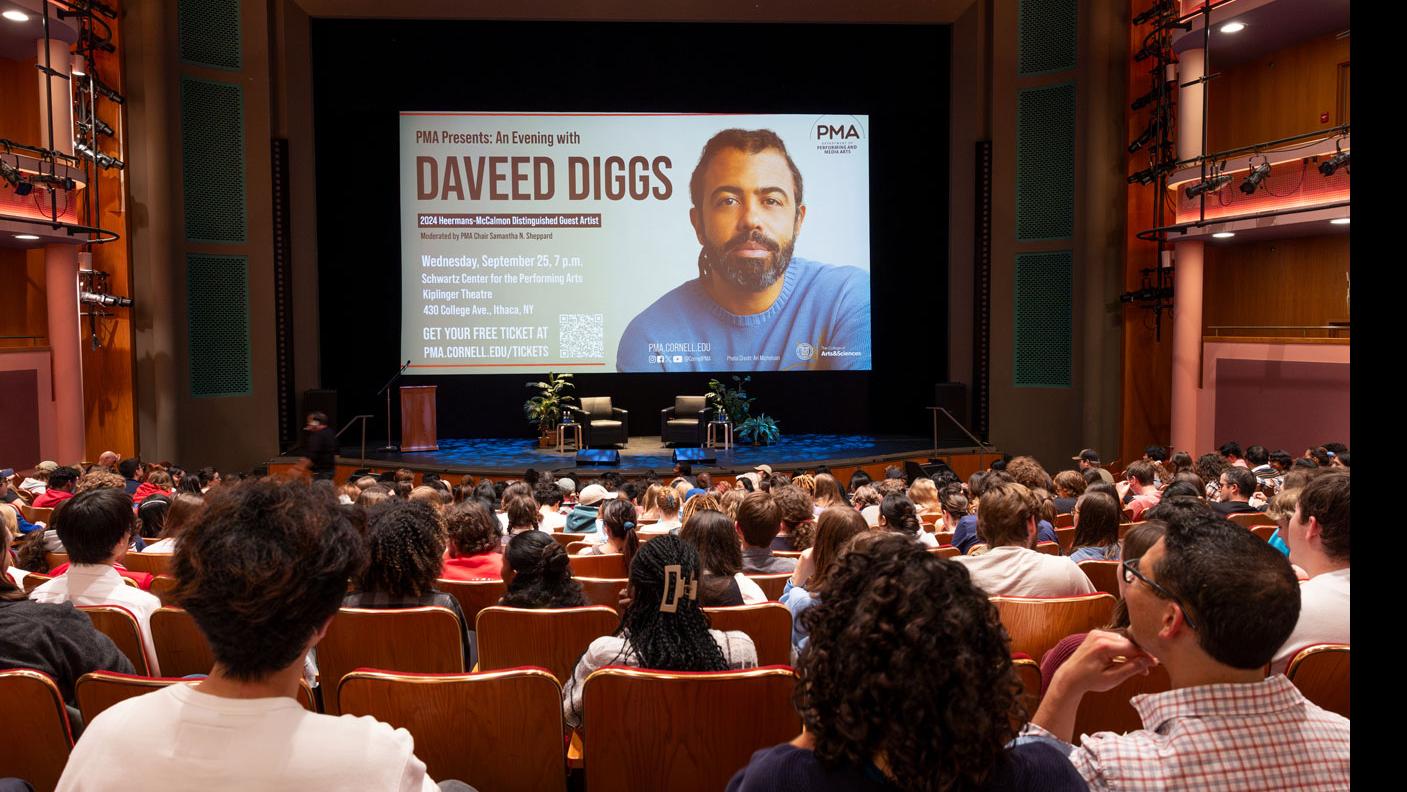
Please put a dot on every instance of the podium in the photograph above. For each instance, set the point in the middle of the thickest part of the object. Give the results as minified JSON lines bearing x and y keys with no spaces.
{"x":418,"y":432}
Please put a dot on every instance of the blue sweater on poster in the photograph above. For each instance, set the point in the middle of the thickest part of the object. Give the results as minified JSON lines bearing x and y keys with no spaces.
{"x":821,"y":320}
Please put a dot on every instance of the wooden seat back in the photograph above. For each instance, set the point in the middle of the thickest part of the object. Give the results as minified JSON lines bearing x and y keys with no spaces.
{"x":945,"y":538}
{"x":771,"y":585}
{"x":473,"y":595}
{"x":34,"y":580}
{"x":768,"y":624}
{"x":787,"y":553}
{"x":34,"y":704}
{"x":1249,"y":519}
{"x":1065,"y":537}
{"x":98,"y":690}
{"x":55,"y":560}
{"x":423,"y":640}
{"x":1066,"y":520}
{"x":1264,"y":531}
{"x":37,"y":513}
{"x":658,"y":730}
{"x":1035,"y":625}
{"x":1321,"y":674}
{"x":181,"y":648}
{"x":563,"y":538}
{"x":1029,"y":672}
{"x":599,"y":566}
{"x":1111,"y":710}
{"x":945,"y":551}
{"x":1049,"y":548}
{"x":603,"y":591}
{"x":118,"y":623}
{"x":163,"y":586}
{"x":1103,"y":574}
{"x":551,"y":638}
{"x":498,"y":730}
{"x":154,"y":563}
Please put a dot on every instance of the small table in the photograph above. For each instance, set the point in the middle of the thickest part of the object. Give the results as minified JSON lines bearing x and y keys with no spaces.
{"x":714,"y":428}
{"x":562,"y":435}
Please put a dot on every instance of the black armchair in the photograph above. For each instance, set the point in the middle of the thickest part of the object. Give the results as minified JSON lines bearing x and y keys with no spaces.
{"x":601,"y":424}
{"x":685,"y":421}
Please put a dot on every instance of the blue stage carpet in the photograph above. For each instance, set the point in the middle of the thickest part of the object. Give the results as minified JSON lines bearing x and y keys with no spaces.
{"x":649,"y":453}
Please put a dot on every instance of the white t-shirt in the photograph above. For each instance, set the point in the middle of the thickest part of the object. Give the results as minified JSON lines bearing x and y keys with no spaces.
{"x":1323,"y":616}
{"x":1013,"y":571}
{"x":752,"y":593}
{"x":181,"y":739}
{"x":99,"y":584}
{"x":553,"y":521}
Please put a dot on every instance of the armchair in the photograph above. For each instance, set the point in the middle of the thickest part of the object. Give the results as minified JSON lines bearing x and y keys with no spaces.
{"x":684,"y":422}
{"x":601,"y":423}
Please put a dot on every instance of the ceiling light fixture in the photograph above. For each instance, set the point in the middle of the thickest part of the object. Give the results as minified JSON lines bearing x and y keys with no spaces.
{"x":16,"y":16}
{"x":26,"y":237}
{"x":1339,"y":221}
{"x":1232,"y":27}
{"x":1224,"y":235}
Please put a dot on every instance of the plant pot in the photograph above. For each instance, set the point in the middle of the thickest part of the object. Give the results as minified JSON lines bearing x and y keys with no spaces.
{"x":547,"y":440}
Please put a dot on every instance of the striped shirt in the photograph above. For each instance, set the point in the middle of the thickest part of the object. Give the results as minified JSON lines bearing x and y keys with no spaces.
{"x":1264,"y":735}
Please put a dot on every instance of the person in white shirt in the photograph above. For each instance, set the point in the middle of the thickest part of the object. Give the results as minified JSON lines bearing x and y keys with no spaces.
{"x":262,"y":575}
{"x":899,"y":515}
{"x":668,"y":504}
{"x":96,"y":527}
{"x":549,"y":503}
{"x":1318,"y":539}
{"x":722,"y":582}
{"x":1006,"y":522}
{"x":662,"y":625}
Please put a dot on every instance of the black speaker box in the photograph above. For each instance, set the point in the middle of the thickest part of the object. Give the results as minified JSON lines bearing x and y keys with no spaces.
{"x":600,"y":457}
{"x":695,"y":455}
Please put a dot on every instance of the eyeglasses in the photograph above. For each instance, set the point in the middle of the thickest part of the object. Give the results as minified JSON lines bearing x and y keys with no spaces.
{"x":1130,"y":571}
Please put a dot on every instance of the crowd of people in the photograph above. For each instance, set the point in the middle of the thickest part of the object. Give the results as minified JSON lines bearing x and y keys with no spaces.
{"x":905,"y":677}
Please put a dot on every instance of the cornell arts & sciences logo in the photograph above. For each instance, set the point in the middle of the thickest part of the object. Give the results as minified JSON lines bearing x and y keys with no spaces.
{"x":837,"y":134}
{"x":805,"y":351}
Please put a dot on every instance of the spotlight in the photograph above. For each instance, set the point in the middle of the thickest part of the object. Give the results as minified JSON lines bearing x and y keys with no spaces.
{"x":1232,"y":27}
{"x":17,"y":180}
{"x":1151,"y":131}
{"x":102,"y":89}
{"x":1146,"y":295}
{"x":1332,"y":164}
{"x":106,"y":300}
{"x":54,"y":182}
{"x":1149,"y":50}
{"x":1211,"y":184}
{"x":103,"y":127}
{"x":1157,"y":10}
{"x":1256,"y":177}
{"x":77,"y":66}
{"x":1145,"y":176}
{"x":1146,"y":99}
{"x":16,"y":16}
{"x":97,"y":156}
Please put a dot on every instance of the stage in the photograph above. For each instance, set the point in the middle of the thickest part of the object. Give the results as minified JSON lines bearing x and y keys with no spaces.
{"x":500,"y":458}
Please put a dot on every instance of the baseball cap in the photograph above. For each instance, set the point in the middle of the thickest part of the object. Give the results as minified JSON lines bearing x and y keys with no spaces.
{"x":592,"y":495}
{"x":46,"y":467}
{"x":695,"y":491}
{"x":764,"y":468}
{"x":1088,"y":455}
{"x":566,"y":485}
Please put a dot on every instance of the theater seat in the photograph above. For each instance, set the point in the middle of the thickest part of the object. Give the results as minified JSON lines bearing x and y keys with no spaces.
{"x":1321,"y":674}
{"x":552,"y":638}
{"x":768,"y":624}
{"x":118,"y":623}
{"x":40,"y":739}
{"x":421,"y":640}
{"x":98,"y":690}
{"x":1035,"y":625}
{"x":1103,"y":574}
{"x":603,"y":591}
{"x":1111,"y":710}
{"x":181,"y":648}
{"x":681,"y":732}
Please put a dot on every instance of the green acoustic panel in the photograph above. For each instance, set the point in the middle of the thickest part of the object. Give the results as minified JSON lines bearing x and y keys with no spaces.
{"x":1047,"y":37}
{"x":1044,"y":288}
{"x":212,"y":160}
{"x":1045,"y":163}
{"x":217,"y":324}
{"x":209,"y":32}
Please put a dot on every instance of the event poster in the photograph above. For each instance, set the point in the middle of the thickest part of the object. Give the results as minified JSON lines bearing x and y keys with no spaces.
{"x":634,"y":242}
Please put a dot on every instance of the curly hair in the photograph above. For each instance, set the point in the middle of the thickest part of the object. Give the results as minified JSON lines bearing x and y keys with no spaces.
{"x":864,"y":496}
{"x":542,"y":574}
{"x":97,"y":479}
{"x":868,"y":680}
{"x":405,"y":548}
{"x":668,"y":641}
{"x":471,"y":527}
{"x":704,"y":502}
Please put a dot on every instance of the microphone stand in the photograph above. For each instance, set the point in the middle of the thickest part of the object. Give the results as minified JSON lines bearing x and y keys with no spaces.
{"x":390,"y":446}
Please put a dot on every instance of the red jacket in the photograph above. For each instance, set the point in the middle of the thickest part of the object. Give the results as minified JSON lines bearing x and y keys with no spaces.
{"x":142,"y":579}
{"x":50,"y":498}
{"x":144,"y":490}
{"x":482,"y":566}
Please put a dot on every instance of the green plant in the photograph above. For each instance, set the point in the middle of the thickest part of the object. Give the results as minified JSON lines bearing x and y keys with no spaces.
{"x":759,"y":429}
{"x":545,"y":409}
{"x":732,"y":403}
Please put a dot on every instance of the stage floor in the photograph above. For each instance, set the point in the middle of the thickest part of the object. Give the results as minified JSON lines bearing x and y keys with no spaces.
{"x":489,"y":455}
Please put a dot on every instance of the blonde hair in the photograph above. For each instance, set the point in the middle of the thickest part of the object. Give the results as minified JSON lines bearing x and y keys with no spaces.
{"x":728,"y":503}
{"x":806,"y":483}
{"x":924,"y":494}
{"x":701,"y":502}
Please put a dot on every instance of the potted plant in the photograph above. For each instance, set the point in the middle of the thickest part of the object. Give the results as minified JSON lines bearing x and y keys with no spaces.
{"x":545,"y":409}
{"x":733,"y":404}
{"x":761,"y":430}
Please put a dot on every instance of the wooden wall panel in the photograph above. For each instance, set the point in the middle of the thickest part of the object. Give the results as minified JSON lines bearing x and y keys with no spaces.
{"x":1277,"y":282}
{"x":1281,"y":94}
{"x":19,"y":113}
{"x":23,"y":311}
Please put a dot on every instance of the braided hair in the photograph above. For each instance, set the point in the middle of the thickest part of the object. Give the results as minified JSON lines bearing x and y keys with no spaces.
{"x":619,"y":518}
{"x":406,"y":548}
{"x":542,"y":574}
{"x":667,"y":641}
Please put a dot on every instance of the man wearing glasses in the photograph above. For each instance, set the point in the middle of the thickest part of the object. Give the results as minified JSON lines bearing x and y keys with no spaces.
{"x":1212,"y":603}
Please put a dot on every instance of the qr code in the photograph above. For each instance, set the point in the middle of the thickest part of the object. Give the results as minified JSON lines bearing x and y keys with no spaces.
{"x":580,"y":335}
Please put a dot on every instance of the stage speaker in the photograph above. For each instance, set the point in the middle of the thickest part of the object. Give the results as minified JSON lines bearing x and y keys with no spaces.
{"x":320,"y":401}
{"x":952,"y":396}
{"x":932,"y":469}
{"x":597,"y":456}
{"x":695,"y":455}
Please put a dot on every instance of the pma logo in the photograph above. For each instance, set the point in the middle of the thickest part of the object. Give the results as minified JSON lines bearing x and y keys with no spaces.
{"x":837,"y":134}
{"x":805,"y":351}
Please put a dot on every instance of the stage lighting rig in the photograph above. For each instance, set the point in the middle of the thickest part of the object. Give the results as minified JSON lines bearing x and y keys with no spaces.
{"x":54,"y":182}
{"x":84,"y":6}
{"x":1340,"y":160}
{"x":16,"y":178}
{"x":105,"y":300}
{"x":1211,"y":184}
{"x":1147,"y":294}
{"x":1151,"y":131}
{"x":102,"y":89}
{"x":101,"y":125}
{"x":102,"y":159}
{"x":1256,"y":177}
{"x":1157,"y":10}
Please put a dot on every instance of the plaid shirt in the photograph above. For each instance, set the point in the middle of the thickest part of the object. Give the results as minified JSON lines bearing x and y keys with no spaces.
{"x":1220,"y":737}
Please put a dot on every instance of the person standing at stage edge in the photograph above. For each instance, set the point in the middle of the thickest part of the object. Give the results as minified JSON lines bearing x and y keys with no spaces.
{"x":319,"y":447}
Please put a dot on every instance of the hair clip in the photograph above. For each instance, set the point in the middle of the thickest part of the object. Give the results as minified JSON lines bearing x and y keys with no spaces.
{"x":676,"y":589}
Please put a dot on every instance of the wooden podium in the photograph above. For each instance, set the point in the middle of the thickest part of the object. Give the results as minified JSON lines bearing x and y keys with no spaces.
{"x":418,"y":431}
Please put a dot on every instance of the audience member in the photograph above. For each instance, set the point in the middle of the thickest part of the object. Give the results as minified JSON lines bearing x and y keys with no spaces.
{"x":133,"y":472}
{"x":1237,"y":485}
{"x":667,"y":505}
{"x":539,"y":574}
{"x":834,"y":528}
{"x":185,"y":509}
{"x":662,"y":625}
{"x":151,"y":515}
{"x":1317,"y":536}
{"x":698,"y":503}
{"x":798,"y":512}
{"x":618,"y":520}
{"x":262,"y":575}
{"x":1209,"y":467}
{"x":895,"y":630}
{"x":1231,"y":454}
{"x":828,"y":493}
{"x":1096,"y":529}
{"x":898,"y":515}
{"x":58,"y":488}
{"x":522,"y":515}
{"x":1069,"y":486}
{"x":1212,"y":604}
{"x":583,"y":518}
{"x":1088,"y":459}
{"x":924,"y":494}
{"x":1143,"y":486}
{"x":158,"y":482}
{"x":38,"y":480}
{"x":758,"y":522}
{"x":96,"y":528}
{"x":965,"y":532}
{"x":722,"y":582}
{"x":1011,"y":567}
{"x":473,"y":543}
